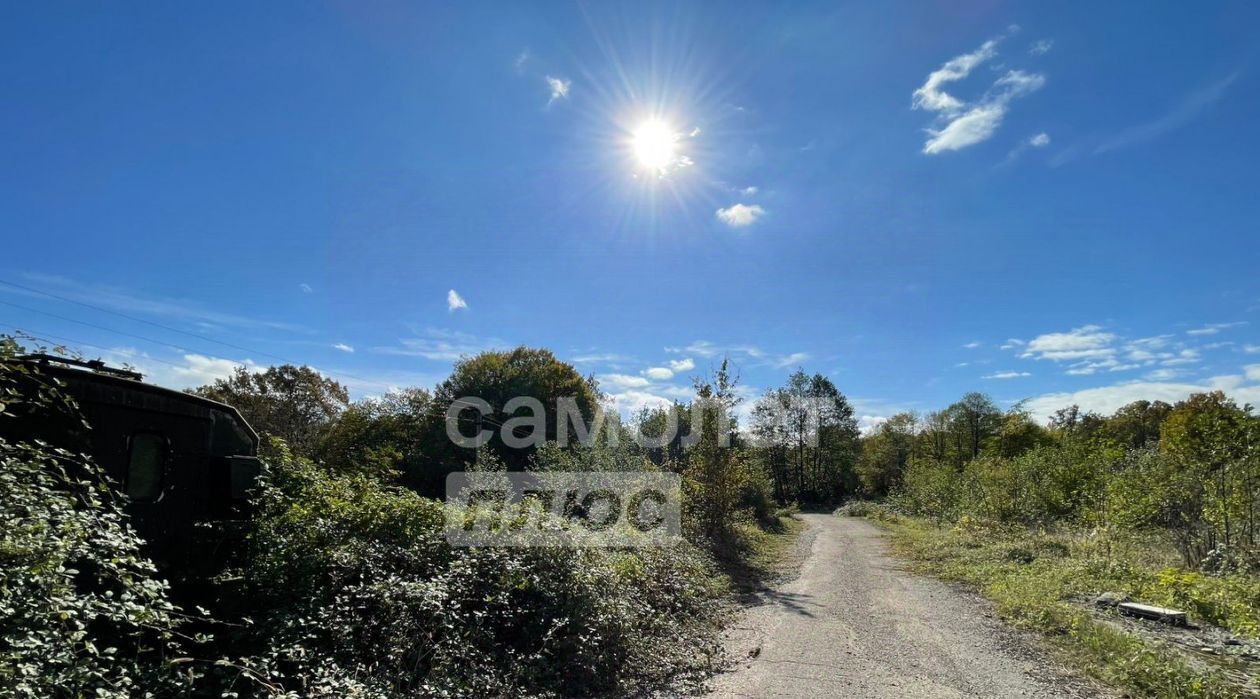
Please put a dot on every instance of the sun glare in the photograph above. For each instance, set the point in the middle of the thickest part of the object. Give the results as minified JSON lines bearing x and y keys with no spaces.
{"x":655,"y":145}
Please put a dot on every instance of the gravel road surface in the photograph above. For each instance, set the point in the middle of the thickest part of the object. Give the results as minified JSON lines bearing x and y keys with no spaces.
{"x":854,"y":623}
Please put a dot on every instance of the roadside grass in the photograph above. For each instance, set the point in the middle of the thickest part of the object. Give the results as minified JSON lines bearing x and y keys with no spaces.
{"x":759,"y":552}
{"x":1044,"y":582}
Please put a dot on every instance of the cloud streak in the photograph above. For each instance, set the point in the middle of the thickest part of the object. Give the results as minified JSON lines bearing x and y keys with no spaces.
{"x":1190,"y":107}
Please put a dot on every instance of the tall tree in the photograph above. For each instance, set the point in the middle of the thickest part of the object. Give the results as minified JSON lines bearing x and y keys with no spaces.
{"x":498,"y":378}
{"x":296,"y":403}
{"x":809,"y":438}
{"x":382,"y":435}
{"x":886,"y":452}
{"x":973,"y":421}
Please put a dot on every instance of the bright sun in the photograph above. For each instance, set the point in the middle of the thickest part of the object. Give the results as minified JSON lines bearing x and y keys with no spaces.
{"x":654,"y":144}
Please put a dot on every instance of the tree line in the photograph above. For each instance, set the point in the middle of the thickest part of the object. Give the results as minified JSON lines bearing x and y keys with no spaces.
{"x":1189,"y":471}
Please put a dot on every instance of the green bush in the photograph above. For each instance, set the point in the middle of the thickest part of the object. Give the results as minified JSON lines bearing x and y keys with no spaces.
{"x":357,"y":592}
{"x":933,"y":489}
{"x":82,"y":611}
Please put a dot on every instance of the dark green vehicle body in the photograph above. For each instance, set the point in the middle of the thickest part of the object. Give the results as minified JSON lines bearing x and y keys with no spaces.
{"x":183,"y":463}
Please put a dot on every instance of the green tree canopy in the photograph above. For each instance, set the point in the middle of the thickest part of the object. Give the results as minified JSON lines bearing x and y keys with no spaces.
{"x":295,"y":403}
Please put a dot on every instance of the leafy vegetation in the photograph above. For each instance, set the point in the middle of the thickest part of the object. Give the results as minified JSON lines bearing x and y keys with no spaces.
{"x":82,"y":611}
{"x":346,"y":585}
{"x":1046,"y":582}
{"x":1157,"y":502}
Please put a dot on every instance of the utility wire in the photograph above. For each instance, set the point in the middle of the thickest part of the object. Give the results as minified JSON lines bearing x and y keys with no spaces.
{"x":286,"y":360}
{"x":141,"y":320}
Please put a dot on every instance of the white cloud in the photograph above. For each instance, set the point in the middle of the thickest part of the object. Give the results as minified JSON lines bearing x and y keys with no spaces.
{"x":343,"y":347}
{"x":1007,"y":375}
{"x":1251,"y":349}
{"x":972,"y":345}
{"x":1107,"y":399}
{"x":629,"y":403}
{"x":753,"y":355}
{"x":559,"y":88}
{"x":748,"y":191}
{"x":932,"y":98}
{"x":443,"y":345}
{"x":623,"y":380}
{"x":1252,"y":371}
{"x":306,"y":288}
{"x":1163,"y":374}
{"x":1088,"y":367}
{"x":521,"y":59}
{"x":1041,"y":140}
{"x":189,"y":371}
{"x":454,"y":301}
{"x":1213,"y":328}
{"x":1086,"y":342}
{"x":1182,"y":114}
{"x":1185,"y":356}
{"x":1012,"y":343}
{"x":790,"y":360}
{"x":686,"y":364}
{"x":1228,"y":382}
{"x":201,"y":369}
{"x":659,"y":373}
{"x":1040,"y":48}
{"x":601,"y":358}
{"x":981,"y":121}
{"x":740,"y":215}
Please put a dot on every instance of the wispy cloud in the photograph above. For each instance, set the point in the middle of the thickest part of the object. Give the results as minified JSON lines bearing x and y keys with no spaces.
{"x":601,"y":358}
{"x":793,"y":359}
{"x":1040,"y":48}
{"x":972,"y":345}
{"x":521,"y":59}
{"x":454,"y":301}
{"x":978,"y":123}
{"x":960,"y":123}
{"x":932,"y":96}
{"x":1007,"y":375}
{"x":343,"y":347}
{"x":1039,"y":140}
{"x":1086,"y":342}
{"x":685,"y":364}
{"x":1090,"y":350}
{"x":659,"y":373}
{"x":306,"y":288}
{"x":559,"y":88}
{"x":126,"y":301}
{"x":751,"y":355}
{"x":740,"y":215}
{"x":442,"y":345}
{"x":1190,"y":107}
{"x":623,"y":380}
{"x":1214,"y":328}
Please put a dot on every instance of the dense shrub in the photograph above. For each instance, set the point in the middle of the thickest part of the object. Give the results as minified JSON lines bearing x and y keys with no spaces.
{"x":358,"y":593}
{"x":82,"y":611}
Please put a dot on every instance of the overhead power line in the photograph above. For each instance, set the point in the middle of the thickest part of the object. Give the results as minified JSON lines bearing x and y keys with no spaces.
{"x":168,"y":328}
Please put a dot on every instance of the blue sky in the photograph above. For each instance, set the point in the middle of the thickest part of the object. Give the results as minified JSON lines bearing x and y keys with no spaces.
{"x":1046,"y":202}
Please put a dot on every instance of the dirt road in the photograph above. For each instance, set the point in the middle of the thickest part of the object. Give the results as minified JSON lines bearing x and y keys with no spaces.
{"x":854,"y":623}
